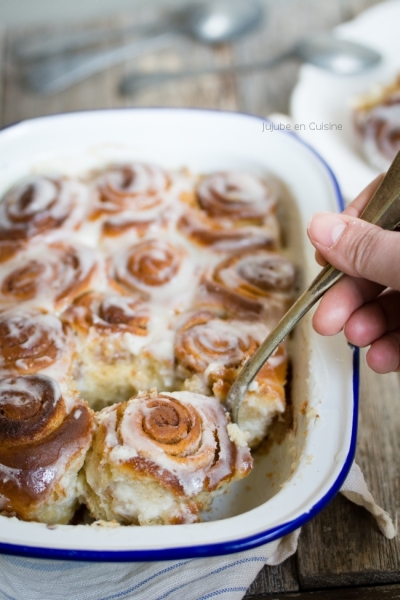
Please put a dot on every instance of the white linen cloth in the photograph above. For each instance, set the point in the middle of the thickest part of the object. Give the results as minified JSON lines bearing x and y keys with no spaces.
{"x":223,"y":577}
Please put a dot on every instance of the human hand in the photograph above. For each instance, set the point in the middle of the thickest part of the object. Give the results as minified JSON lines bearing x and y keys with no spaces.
{"x":365,"y":303}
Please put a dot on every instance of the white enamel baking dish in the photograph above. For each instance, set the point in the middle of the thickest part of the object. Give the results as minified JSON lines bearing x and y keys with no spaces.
{"x":293,"y":481}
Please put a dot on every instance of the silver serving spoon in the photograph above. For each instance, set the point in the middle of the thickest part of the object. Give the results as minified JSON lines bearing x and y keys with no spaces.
{"x":383,"y":210}
{"x":210,"y":22}
{"x":326,"y":51}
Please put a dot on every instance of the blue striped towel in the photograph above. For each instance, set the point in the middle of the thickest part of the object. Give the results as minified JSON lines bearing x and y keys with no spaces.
{"x":222,"y":577}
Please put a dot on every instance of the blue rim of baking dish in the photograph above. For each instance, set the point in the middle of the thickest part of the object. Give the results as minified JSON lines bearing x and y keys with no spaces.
{"x":231,"y":546}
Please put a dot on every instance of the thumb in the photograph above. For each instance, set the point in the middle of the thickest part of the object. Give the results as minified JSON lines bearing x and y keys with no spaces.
{"x":357,"y":248}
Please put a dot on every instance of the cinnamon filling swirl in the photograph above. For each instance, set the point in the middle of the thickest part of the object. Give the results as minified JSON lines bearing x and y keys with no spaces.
{"x":205,"y":339}
{"x":37,"y":205}
{"x":30,"y":407}
{"x":134,"y":187}
{"x":256,"y":273}
{"x":57,"y":273}
{"x":148,"y":265}
{"x":30,"y":341}
{"x":235,"y":195}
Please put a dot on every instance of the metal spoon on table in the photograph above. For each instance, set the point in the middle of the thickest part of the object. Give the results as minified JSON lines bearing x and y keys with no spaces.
{"x":210,"y":22}
{"x":384,"y":210}
{"x":324,"y":50}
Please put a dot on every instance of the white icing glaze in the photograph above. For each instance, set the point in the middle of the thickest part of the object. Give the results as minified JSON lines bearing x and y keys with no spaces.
{"x":196,"y":461}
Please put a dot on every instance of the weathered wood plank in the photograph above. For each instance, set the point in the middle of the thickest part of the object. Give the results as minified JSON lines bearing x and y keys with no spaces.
{"x":387,"y":592}
{"x":343,"y":545}
{"x":282,"y":578}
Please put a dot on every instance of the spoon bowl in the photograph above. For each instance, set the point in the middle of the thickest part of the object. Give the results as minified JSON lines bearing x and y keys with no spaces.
{"x":337,"y":55}
{"x":221,"y":21}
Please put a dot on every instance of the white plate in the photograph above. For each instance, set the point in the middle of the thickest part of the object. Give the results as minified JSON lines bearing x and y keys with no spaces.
{"x":320,"y":97}
{"x":299,"y":476}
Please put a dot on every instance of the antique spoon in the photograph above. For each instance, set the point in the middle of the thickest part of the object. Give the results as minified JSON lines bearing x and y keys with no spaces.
{"x":210,"y":22}
{"x":384,"y":210}
{"x":337,"y":55}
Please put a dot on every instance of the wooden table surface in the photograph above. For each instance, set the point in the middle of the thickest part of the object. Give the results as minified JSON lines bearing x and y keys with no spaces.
{"x":341,"y":552}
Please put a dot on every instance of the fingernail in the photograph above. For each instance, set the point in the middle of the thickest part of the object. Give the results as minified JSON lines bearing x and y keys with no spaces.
{"x":326,"y":228}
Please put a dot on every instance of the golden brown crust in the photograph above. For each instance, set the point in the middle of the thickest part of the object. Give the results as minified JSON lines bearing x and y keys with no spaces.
{"x":39,"y":439}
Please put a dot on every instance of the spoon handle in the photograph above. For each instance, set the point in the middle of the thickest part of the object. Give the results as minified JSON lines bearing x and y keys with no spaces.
{"x":383,"y":210}
{"x":58,"y":73}
{"x":133,"y":83}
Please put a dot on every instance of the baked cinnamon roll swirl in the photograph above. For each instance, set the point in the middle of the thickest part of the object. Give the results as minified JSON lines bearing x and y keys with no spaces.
{"x":377,"y":122}
{"x":40,"y":205}
{"x":49,"y":276}
{"x":218,"y":237}
{"x":158,"y":270}
{"x":111,"y":332}
{"x":44,"y":437}
{"x":205,"y":340}
{"x":33,"y":341}
{"x":237,"y":196}
{"x":254,"y":283}
{"x":130,"y":187}
{"x":161,"y":458}
{"x":211,"y":351}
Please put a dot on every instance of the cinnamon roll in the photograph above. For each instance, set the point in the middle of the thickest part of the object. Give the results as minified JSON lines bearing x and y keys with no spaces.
{"x":111,"y":332}
{"x":377,"y":122}
{"x":40,"y":205}
{"x":211,"y":346}
{"x":252,"y":283}
{"x":49,"y":276}
{"x":44,"y":437}
{"x":161,"y":458}
{"x":211,"y":351}
{"x":33,"y":341}
{"x":157,"y":269}
{"x":236,"y":196}
{"x":130,"y":187}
